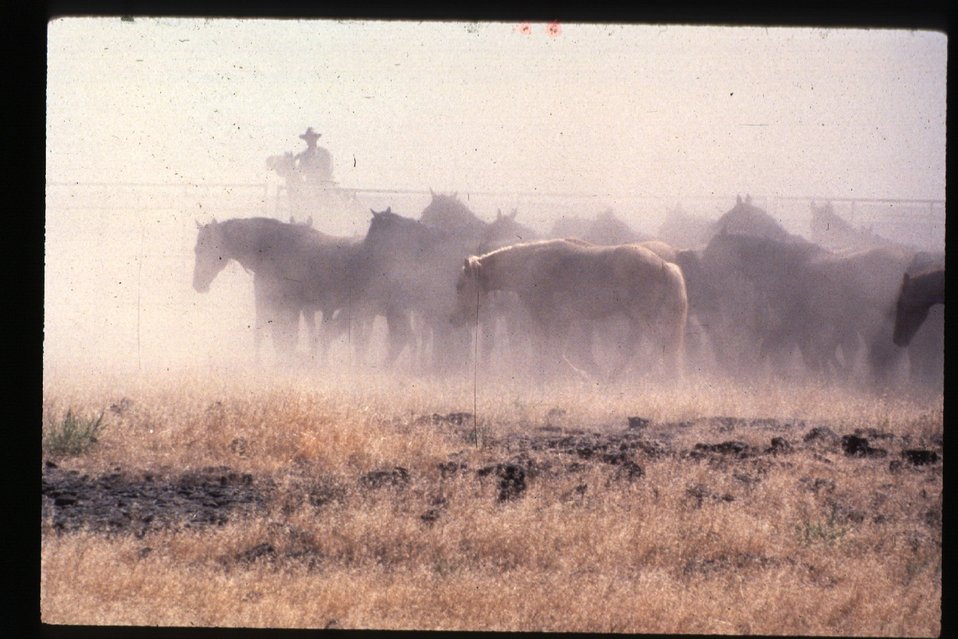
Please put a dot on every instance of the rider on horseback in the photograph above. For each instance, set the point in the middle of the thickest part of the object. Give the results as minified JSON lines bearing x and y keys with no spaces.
{"x":315,"y":164}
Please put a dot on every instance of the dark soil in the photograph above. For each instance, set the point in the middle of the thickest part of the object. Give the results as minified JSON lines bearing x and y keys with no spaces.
{"x":142,"y":502}
{"x":128,"y":501}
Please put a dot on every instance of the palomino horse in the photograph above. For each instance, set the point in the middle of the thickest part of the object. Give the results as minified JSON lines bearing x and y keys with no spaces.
{"x":501,"y":317}
{"x":565,"y":283}
{"x":917,"y":295}
{"x":503,"y":322}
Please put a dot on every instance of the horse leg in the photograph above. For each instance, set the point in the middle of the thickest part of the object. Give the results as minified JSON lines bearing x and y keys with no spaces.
{"x":261,"y":313}
{"x":628,"y":351}
{"x":487,"y":334}
{"x":259,"y":325}
{"x":364,"y":325}
{"x":926,"y":352}
{"x":400,"y":335}
{"x":309,"y":317}
{"x":285,"y":330}
{"x":675,"y":354}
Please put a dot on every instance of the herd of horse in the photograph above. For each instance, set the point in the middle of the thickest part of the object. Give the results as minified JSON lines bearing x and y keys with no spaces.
{"x":595,"y":298}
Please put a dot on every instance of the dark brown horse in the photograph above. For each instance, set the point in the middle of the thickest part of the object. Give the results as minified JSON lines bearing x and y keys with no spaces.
{"x":747,"y":219}
{"x":741,"y":289}
{"x":917,"y":295}
{"x":410,"y":267}
{"x":276,"y":253}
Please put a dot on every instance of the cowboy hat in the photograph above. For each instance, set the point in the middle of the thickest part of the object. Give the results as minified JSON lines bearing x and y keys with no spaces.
{"x":310,"y":134}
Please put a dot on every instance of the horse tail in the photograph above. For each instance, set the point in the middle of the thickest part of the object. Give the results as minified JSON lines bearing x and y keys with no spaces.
{"x":678,"y":320}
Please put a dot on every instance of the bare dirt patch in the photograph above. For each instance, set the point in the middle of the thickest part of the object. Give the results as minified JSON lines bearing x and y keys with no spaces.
{"x":135,"y":501}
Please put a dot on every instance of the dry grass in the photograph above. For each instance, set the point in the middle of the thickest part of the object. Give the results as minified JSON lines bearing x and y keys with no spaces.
{"x":855,"y":554}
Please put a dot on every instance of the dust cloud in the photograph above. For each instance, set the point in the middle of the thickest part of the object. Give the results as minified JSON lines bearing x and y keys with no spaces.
{"x":157,"y":125}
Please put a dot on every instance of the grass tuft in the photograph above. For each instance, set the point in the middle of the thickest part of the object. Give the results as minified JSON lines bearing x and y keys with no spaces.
{"x":71,"y":435}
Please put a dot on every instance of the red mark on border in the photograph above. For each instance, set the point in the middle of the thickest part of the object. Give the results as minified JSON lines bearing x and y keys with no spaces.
{"x":553,"y":29}
{"x":525,"y":28}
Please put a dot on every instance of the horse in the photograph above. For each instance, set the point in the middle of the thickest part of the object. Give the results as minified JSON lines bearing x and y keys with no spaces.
{"x":916,"y":296}
{"x":926,"y":349}
{"x":683,"y":230}
{"x":501,"y":315}
{"x":564,"y":284}
{"x":411,"y":267}
{"x":855,"y":293}
{"x":275,"y":253}
{"x":741,"y":290}
{"x":614,"y":331}
{"x":606,"y":230}
{"x":452,"y":216}
{"x":834,"y":232}
{"x":747,"y":219}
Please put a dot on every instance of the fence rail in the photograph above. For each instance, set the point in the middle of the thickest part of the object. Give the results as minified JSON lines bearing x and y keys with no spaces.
{"x":263,"y":189}
{"x":921,"y":218}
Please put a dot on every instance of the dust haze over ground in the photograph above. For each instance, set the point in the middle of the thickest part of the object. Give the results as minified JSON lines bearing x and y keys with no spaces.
{"x":633,"y":118}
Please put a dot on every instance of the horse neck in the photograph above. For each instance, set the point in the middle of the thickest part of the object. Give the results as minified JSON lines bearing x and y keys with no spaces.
{"x":455,"y":217}
{"x":928,"y":289}
{"x":504,"y":269}
{"x":243,"y":241}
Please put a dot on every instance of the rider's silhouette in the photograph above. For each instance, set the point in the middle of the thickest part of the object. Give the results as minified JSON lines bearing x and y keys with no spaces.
{"x":315,"y":164}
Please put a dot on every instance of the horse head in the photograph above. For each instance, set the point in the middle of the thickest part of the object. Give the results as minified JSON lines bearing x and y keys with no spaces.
{"x":906,"y":321}
{"x":467,"y":291}
{"x":504,"y":231}
{"x":211,"y":255}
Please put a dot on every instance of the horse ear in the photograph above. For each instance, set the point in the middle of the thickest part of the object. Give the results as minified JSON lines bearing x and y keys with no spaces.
{"x":748,"y":198}
{"x":389,"y":209}
{"x":431,"y":192}
{"x":375,"y":214}
{"x":498,"y":214}
{"x":198,"y":225}
{"x":214,"y":221}
{"x":309,"y":221}
{"x":738,"y":199}
{"x":514,"y":213}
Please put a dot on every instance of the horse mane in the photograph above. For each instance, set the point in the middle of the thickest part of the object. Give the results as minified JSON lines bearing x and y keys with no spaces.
{"x":514,"y":247}
{"x":421,"y":232}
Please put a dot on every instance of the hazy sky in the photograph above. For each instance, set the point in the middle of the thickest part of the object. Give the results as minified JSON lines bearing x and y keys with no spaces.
{"x":661,"y":110}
